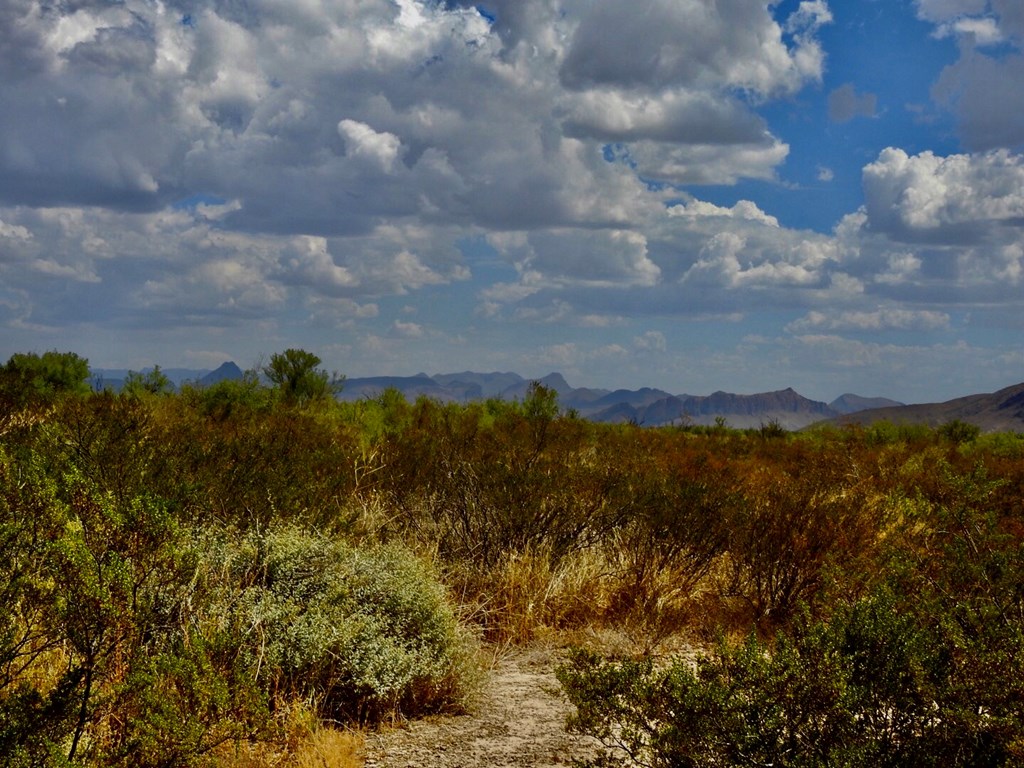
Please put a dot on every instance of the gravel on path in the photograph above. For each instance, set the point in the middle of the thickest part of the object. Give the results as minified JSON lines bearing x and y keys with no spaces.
{"x":518,"y":722}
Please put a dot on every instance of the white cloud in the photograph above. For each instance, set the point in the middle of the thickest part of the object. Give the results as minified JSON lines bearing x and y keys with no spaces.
{"x":310,"y":262}
{"x":651,"y":341}
{"x":338,"y":312}
{"x":680,"y":116}
{"x":407,"y":330}
{"x":981,"y":31}
{"x":708,"y":163}
{"x":957,"y":198}
{"x":289,"y":167}
{"x":573,"y":257}
{"x":938,"y":11}
{"x":449,"y":118}
{"x":743,"y":209}
{"x":876,"y":320}
{"x":362,"y":141}
{"x":809,"y":16}
{"x":902,"y":267}
{"x":731,"y":44}
{"x":14,"y":232}
{"x":730,"y":260}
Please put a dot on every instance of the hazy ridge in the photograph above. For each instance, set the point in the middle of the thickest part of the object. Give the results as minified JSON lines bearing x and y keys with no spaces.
{"x":997,"y":411}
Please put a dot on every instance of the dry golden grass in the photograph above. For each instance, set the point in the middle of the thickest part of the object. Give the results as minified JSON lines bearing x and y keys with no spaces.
{"x":323,"y":747}
{"x":526,"y":595}
{"x":304,"y":742}
{"x":330,"y":748}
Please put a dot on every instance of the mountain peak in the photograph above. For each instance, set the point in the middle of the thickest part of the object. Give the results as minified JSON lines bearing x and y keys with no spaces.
{"x":228,"y":371}
{"x":556,"y":382}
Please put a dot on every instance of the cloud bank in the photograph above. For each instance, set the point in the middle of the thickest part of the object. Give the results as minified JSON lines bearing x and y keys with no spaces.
{"x":252,"y":174}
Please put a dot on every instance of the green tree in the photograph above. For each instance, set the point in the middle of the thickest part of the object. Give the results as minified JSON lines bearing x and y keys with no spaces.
{"x":296,"y":373}
{"x":957,"y":431}
{"x":28,"y":376}
{"x":155,"y":382}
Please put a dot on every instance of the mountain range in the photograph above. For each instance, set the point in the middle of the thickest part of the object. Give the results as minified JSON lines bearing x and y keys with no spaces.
{"x":646,"y":406}
{"x":997,"y":411}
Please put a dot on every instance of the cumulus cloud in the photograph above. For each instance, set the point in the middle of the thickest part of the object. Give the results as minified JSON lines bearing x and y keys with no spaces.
{"x":614,"y":257}
{"x":708,"y":163}
{"x":743,"y":209}
{"x":955,"y":199}
{"x":362,"y":141}
{"x":674,"y":116}
{"x":732,"y":44}
{"x":182,"y":264}
{"x":726,"y":261}
{"x":276,"y":166}
{"x":325,"y":118}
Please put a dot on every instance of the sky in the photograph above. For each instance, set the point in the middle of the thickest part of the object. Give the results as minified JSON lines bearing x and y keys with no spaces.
{"x":695,"y":195}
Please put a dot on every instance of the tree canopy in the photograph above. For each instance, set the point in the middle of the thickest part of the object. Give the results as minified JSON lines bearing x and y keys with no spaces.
{"x":296,"y":374}
{"x":31,"y":376}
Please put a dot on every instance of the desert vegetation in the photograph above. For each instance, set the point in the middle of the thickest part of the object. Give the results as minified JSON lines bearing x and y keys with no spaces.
{"x":231,"y":575}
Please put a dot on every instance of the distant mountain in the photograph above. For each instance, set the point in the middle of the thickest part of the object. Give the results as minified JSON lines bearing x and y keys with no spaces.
{"x":114,"y":378}
{"x":786,"y":407}
{"x":852,"y":403}
{"x":227,"y":372}
{"x":1001,"y":411}
{"x":555,"y":381}
{"x":490,"y":384}
{"x":635,"y":398}
{"x":411,"y":387}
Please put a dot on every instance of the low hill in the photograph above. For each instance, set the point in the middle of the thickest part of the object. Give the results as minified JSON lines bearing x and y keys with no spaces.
{"x":786,"y":407}
{"x":1001,"y":411}
{"x":849,"y":403}
{"x":490,"y":384}
{"x":411,"y":387}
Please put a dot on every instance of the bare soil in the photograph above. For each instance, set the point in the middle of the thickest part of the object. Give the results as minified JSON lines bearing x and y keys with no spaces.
{"x":518,"y":721}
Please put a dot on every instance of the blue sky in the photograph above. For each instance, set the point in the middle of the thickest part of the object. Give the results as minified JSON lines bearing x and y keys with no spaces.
{"x":685,"y":194}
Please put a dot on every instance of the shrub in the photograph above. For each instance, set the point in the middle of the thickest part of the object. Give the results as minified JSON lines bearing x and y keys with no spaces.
{"x":100,"y":659}
{"x":957,"y":431}
{"x":784,"y":535}
{"x":921,"y":672}
{"x":870,"y":687}
{"x":362,"y":633}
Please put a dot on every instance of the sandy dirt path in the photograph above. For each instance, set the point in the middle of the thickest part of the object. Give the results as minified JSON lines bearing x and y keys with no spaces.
{"x":518,"y":722}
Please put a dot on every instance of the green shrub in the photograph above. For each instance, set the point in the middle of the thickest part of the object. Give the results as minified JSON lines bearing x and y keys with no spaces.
{"x":101,"y":660}
{"x":957,"y":431}
{"x":360,"y":633}
{"x":870,"y":687}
